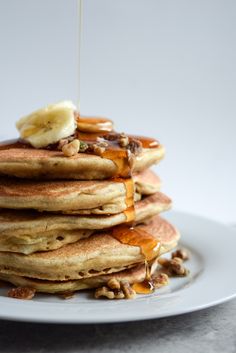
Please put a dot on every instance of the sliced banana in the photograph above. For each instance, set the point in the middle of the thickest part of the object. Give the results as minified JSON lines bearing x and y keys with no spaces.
{"x":48,"y":125}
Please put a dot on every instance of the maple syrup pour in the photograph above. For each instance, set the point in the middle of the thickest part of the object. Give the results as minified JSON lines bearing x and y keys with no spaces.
{"x":94,"y":124}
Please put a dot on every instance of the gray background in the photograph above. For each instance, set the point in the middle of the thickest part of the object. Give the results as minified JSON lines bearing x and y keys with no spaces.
{"x":161,"y":68}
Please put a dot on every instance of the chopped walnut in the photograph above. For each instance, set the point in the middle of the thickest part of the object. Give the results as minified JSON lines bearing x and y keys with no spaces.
{"x":123,"y":140}
{"x":116,"y":290}
{"x":129,"y":292}
{"x":177,"y":268}
{"x":181,"y":253}
{"x":71,"y":149}
{"x":134,"y":146}
{"x":104,"y":292}
{"x":119,"y":294}
{"x":174,"y":266}
{"x":160,"y":280}
{"x":112,"y":136}
{"x":67,"y":295}
{"x":21,"y":293}
{"x":97,"y":149}
{"x":113,"y":283}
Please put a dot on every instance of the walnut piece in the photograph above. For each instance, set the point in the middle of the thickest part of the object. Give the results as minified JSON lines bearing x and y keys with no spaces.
{"x":160,"y":280}
{"x":116,"y":290}
{"x":113,"y":283}
{"x":71,"y":149}
{"x":21,"y":293}
{"x":135,"y":147}
{"x":98,"y":149}
{"x":181,"y":253}
{"x":174,"y":266}
{"x":123,"y":140}
{"x":104,"y":292}
{"x":129,"y":292}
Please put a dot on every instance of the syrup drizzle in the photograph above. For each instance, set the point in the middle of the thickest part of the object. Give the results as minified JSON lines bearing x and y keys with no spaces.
{"x":135,"y":236}
{"x":146,"y":286}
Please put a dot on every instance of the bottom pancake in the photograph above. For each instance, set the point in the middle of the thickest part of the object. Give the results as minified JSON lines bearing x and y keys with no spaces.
{"x":100,"y":253}
{"x":133,"y":275}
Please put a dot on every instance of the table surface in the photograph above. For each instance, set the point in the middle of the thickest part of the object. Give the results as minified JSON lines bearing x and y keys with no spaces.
{"x":212,"y":330}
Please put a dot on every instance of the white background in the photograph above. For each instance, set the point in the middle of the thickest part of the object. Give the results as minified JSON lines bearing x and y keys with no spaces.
{"x":164,"y":68}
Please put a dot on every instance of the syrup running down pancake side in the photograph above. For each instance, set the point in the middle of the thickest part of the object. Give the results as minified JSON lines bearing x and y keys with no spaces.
{"x":149,"y":246}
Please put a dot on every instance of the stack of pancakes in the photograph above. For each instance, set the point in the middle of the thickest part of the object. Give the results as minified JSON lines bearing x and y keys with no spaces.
{"x":73,"y":223}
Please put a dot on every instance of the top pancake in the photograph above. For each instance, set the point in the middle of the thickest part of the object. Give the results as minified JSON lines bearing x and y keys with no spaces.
{"x":27,"y":162}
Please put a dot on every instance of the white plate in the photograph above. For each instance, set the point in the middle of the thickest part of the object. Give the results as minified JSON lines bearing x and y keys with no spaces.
{"x":212,"y":281}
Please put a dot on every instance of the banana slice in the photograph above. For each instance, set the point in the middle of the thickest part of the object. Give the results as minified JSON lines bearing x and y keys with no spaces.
{"x":48,"y":125}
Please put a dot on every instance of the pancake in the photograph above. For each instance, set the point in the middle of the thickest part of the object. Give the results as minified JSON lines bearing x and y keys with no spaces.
{"x":146,"y":182}
{"x":31,"y":163}
{"x":30,"y":231}
{"x":73,"y":197}
{"x":133,"y":275}
{"x":92,"y":256}
{"x":101,"y":197}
